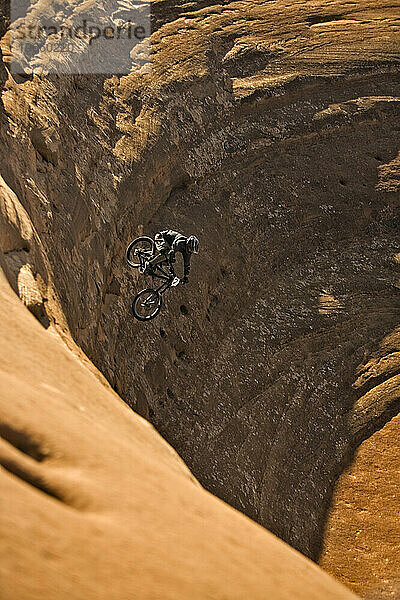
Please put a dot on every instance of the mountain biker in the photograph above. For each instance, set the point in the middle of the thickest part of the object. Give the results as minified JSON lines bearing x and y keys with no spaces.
{"x":168,"y":243}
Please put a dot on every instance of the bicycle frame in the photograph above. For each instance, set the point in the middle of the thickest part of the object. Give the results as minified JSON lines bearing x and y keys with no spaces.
{"x":159,"y":273}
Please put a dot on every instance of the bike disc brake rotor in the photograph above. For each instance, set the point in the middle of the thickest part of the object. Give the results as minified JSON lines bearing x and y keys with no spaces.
{"x":139,"y":252}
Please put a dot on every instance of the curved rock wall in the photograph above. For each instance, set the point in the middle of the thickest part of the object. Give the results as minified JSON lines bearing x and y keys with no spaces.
{"x":367,"y":493}
{"x":271,"y":131}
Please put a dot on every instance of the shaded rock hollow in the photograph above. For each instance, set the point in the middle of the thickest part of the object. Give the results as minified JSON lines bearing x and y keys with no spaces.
{"x":272,"y":132}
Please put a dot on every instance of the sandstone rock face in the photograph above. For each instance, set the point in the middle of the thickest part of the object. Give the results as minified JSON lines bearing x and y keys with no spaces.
{"x":366,"y":493}
{"x":271,"y":131}
{"x":94,"y":504}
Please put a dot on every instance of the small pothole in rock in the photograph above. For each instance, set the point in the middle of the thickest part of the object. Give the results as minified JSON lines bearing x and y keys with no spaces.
{"x":170,"y":394}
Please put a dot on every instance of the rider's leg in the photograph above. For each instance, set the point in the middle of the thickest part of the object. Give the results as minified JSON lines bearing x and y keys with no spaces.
{"x":163,"y":248}
{"x":157,"y":260}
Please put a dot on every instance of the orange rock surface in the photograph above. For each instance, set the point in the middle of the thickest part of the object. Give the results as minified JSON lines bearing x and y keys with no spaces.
{"x":95,"y":504}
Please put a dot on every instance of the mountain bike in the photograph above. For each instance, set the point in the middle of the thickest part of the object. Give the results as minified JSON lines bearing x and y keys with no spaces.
{"x":147,"y":304}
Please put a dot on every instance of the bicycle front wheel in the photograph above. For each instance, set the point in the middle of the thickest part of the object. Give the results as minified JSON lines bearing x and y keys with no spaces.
{"x":146,"y":305}
{"x":138,"y":249}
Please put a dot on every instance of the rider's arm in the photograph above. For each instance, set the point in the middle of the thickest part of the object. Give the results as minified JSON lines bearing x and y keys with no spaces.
{"x":186,"y":263}
{"x":171,"y":259}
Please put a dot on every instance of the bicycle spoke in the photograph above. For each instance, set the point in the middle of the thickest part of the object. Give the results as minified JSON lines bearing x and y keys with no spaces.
{"x":147,"y":304}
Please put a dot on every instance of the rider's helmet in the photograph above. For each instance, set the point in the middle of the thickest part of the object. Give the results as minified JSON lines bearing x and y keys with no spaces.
{"x":192,"y":244}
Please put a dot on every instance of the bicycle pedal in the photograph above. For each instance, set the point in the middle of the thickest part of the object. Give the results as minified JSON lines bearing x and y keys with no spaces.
{"x":175,"y":281}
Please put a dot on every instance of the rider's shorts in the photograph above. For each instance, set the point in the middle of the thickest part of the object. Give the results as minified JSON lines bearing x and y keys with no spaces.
{"x":161,"y":244}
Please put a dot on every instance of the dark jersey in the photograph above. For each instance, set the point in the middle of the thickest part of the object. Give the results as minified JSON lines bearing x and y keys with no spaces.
{"x":169,"y":242}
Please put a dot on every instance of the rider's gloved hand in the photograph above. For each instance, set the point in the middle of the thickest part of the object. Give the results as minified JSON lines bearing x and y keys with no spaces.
{"x":184,"y":280}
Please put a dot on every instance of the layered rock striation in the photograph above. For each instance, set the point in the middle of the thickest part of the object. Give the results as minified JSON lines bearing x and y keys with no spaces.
{"x":271,"y":131}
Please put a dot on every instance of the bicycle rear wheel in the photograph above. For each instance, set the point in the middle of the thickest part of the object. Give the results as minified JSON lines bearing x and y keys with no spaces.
{"x":146,"y":305}
{"x":137,"y":249}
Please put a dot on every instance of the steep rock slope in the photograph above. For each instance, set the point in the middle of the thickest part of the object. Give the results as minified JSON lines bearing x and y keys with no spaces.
{"x":94,"y":504}
{"x":368,"y":491}
{"x":272,"y":131}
